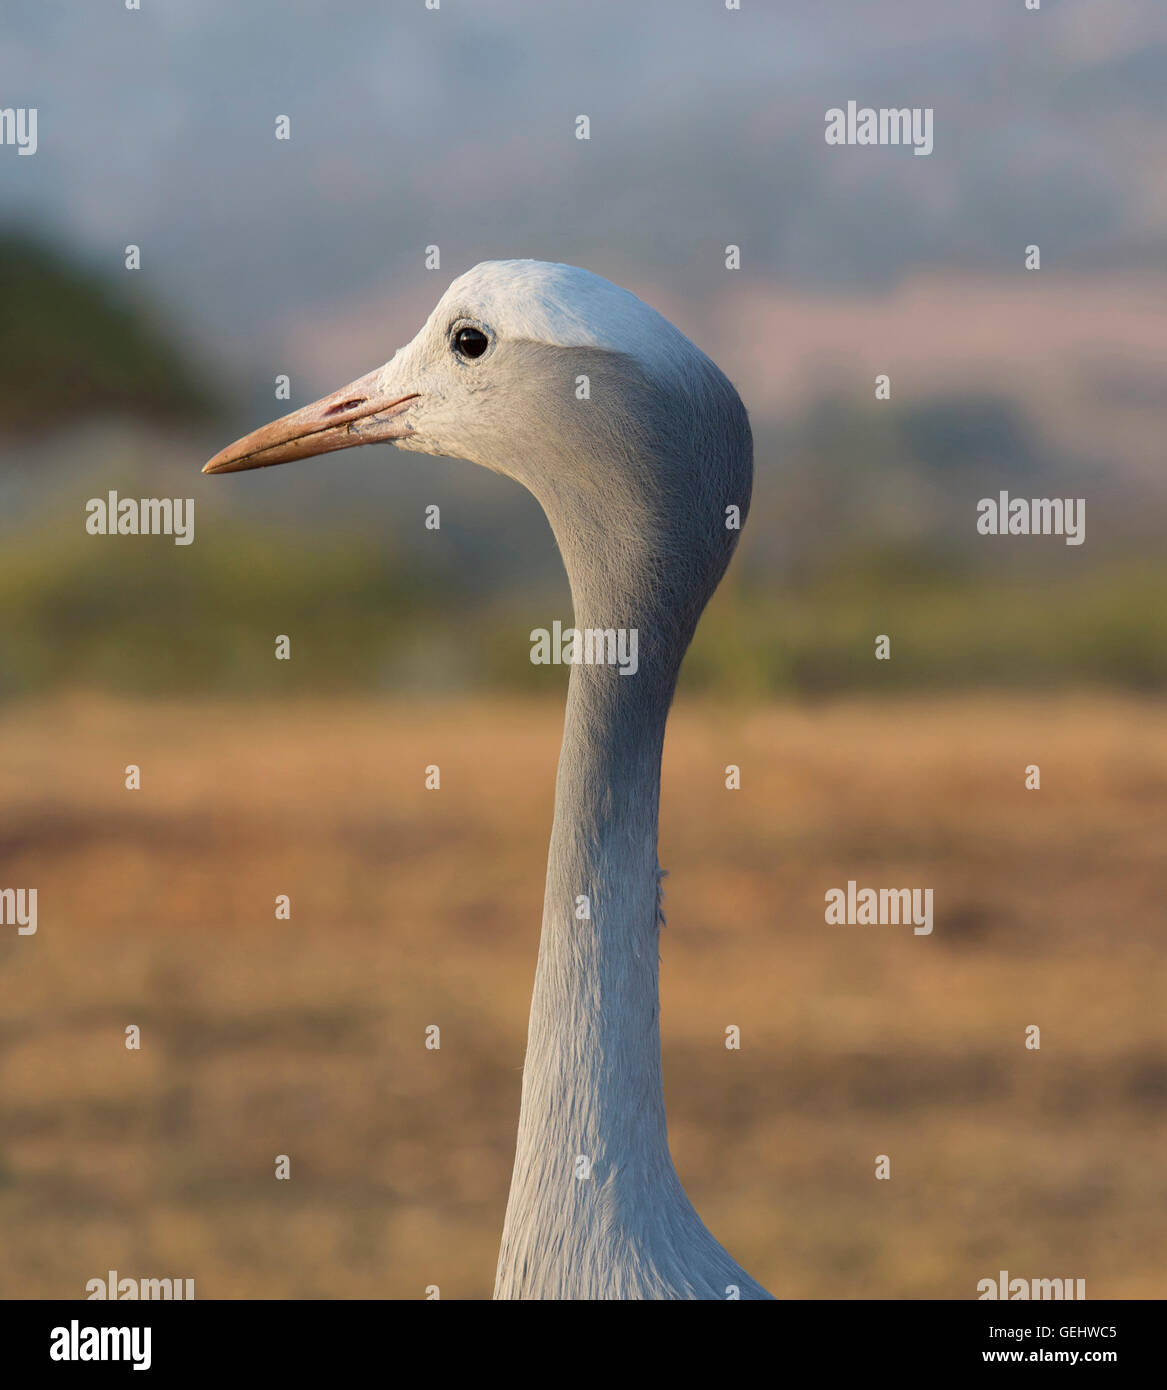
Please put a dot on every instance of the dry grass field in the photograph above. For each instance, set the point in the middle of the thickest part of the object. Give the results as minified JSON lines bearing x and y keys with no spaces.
{"x":409,"y":908}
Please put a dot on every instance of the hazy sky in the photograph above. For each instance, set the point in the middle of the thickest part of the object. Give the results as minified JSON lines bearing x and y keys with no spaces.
{"x":413,"y":127}
{"x":456,"y":127}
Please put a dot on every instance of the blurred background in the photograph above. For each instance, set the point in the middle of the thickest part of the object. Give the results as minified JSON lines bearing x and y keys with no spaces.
{"x":455,"y":128}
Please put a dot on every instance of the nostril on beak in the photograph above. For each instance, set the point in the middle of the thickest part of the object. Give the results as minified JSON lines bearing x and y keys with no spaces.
{"x":346,"y":405}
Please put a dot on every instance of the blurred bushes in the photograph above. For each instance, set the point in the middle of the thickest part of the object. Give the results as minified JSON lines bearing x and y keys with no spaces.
{"x":138,"y":613}
{"x":141,"y":615}
{"x":1105,"y":628}
{"x":74,"y":344}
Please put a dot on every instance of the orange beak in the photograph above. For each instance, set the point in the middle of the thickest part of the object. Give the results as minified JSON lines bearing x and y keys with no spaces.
{"x":361,"y":413}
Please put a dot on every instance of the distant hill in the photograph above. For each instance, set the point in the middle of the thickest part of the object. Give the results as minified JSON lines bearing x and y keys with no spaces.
{"x":73,"y":342}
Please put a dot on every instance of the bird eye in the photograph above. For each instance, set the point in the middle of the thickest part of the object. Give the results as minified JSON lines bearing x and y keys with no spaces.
{"x":470,"y":342}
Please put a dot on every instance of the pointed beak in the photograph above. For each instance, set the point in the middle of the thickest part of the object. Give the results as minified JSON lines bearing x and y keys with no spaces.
{"x":367,"y":411}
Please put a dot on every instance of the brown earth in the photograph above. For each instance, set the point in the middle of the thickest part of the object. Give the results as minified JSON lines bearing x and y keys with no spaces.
{"x":411,"y":907}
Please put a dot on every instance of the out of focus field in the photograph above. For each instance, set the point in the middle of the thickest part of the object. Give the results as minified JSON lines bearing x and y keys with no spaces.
{"x":409,"y":908}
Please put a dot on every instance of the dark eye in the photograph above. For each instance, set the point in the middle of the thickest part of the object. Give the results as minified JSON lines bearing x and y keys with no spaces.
{"x":469,"y":342}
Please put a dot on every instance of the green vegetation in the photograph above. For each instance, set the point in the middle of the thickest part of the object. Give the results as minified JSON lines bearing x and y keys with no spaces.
{"x":71,"y":340}
{"x":141,"y":615}
{"x":1107,"y":628}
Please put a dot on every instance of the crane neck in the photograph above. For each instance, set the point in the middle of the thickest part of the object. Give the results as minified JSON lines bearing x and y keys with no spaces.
{"x":639,"y":511}
{"x":592,"y":1160}
{"x":594,"y":1029}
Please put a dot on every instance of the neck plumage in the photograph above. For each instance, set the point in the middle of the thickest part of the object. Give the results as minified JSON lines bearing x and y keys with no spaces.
{"x":592,"y":1125}
{"x":596,"y":1209}
{"x":593,"y":1051}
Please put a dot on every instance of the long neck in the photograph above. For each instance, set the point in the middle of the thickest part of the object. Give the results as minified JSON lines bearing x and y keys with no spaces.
{"x":594,"y":1038}
{"x":592,"y":1126}
{"x":596,"y":1209}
